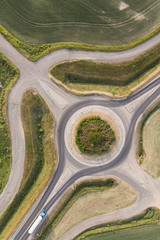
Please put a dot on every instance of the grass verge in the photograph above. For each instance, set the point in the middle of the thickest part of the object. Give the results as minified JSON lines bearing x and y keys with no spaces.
{"x":141,"y":152}
{"x":82,"y":203}
{"x":150,"y":216}
{"x":148,"y":138}
{"x":8,"y":76}
{"x":34,"y":52}
{"x":116,"y":78}
{"x":40,"y":158}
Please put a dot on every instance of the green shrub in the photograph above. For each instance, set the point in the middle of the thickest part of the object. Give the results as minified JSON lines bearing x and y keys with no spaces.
{"x":94,"y":135}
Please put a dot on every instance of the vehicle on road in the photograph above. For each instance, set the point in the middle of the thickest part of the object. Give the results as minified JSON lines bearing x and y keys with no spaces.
{"x":37,"y":222}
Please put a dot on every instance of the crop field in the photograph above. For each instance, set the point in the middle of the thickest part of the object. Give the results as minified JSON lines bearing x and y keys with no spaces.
{"x":98,"y":22}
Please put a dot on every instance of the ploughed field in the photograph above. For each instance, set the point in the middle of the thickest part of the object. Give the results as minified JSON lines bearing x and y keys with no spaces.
{"x":91,"y":21}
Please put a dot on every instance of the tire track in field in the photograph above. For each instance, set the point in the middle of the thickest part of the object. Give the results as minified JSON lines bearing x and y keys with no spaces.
{"x":83,"y":24}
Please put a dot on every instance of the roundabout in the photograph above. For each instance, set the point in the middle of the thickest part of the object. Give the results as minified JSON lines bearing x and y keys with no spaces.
{"x":69,"y":110}
{"x":106,"y":114}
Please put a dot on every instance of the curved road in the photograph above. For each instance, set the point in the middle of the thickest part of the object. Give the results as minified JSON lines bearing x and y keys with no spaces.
{"x":91,"y":170}
{"x":35,"y":75}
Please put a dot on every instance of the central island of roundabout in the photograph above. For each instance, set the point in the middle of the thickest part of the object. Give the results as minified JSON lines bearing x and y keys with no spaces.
{"x":91,"y":156}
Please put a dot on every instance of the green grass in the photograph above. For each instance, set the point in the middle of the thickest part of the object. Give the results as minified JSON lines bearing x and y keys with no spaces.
{"x":80,"y":190}
{"x":141,"y":151}
{"x":8,"y":76}
{"x":34,"y":51}
{"x":88,"y":75}
{"x":94,"y":135}
{"x":144,"y":226}
{"x":40,"y":154}
{"x":37,"y":123}
{"x":89,"y":21}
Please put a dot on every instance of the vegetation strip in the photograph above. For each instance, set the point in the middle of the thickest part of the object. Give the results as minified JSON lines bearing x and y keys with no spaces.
{"x":150,"y":216}
{"x":82,"y":75}
{"x":34,"y":52}
{"x":38,"y":123}
{"x":8,"y":76}
{"x":94,"y":135}
{"x":151,"y":143}
{"x":147,"y":232}
{"x":141,"y":151}
{"x":80,"y":190}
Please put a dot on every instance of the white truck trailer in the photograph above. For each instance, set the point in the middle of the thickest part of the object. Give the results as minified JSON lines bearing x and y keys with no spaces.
{"x":37,"y":222}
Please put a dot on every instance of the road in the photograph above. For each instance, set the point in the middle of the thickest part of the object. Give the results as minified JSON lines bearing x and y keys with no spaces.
{"x":64,"y":105}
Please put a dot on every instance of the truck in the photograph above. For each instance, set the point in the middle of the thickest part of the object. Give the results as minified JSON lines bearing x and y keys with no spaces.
{"x":37,"y":222}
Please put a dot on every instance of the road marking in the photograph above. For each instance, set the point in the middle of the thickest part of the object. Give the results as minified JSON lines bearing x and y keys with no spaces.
{"x":57,"y":99}
{"x":132,"y":106}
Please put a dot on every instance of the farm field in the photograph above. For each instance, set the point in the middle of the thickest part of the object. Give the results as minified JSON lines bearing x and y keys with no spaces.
{"x":90,"y":21}
{"x":149,"y":232}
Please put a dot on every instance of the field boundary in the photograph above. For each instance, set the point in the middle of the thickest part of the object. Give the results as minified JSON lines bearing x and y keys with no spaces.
{"x":148,"y":217}
{"x":35,"y":52}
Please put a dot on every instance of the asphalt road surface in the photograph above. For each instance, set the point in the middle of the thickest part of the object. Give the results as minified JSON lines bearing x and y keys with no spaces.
{"x":63,"y":104}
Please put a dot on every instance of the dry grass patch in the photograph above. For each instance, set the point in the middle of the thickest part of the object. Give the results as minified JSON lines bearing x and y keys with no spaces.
{"x":94,"y":203}
{"x":123,"y":6}
{"x":151,"y":143}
